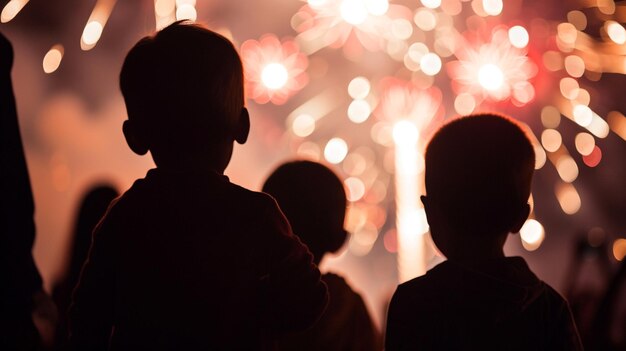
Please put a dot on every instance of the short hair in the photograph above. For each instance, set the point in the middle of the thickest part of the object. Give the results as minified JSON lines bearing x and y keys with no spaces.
{"x":185,"y":79}
{"x":314,"y":201}
{"x":479,"y":171}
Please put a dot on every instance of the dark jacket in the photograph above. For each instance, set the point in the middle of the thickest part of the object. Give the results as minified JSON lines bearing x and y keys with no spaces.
{"x":498,"y":304}
{"x":192,"y":261}
{"x":346,"y":325}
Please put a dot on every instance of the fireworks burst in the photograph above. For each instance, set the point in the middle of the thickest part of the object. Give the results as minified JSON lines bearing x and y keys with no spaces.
{"x":274,"y":70}
{"x":497,"y":69}
{"x":342,"y":23}
{"x":446,"y":64}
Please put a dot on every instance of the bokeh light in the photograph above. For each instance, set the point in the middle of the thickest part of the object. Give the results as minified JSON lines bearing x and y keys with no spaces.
{"x":355,"y":187}
{"x":303,"y":125}
{"x":92,"y":32}
{"x":551,"y":140}
{"x":568,"y":198}
{"x":585,"y":143}
{"x":567,"y":168}
{"x":432,"y":4}
{"x":359,"y":111}
{"x":52,"y":59}
{"x":359,"y":88}
{"x":619,"y":249}
{"x":430,"y":64}
{"x":493,"y":7}
{"x":336,"y":150}
{"x":616,"y":32}
{"x":518,"y":36}
{"x":11,"y":9}
{"x":532,"y":234}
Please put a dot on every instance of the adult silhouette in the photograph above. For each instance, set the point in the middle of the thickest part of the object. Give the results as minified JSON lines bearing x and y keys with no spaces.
{"x":91,"y":209}
{"x":20,"y":282}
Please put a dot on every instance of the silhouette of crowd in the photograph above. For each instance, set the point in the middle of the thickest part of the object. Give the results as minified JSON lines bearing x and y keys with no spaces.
{"x":186,"y":259}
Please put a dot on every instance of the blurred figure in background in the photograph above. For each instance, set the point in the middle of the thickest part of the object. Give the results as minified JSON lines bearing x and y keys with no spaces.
{"x":27,"y":314}
{"x":596,"y":290}
{"x":478,"y":176}
{"x":314,"y":201}
{"x":92,"y":207}
{"x":587,"y":278}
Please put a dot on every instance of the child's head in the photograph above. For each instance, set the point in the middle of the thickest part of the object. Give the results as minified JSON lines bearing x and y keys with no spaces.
{"x":314,"y":201}
{"x":478,"y":175}
{"x":183,"y":89}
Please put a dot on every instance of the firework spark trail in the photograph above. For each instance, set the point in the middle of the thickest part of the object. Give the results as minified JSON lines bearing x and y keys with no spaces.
{"x":96,"y":23}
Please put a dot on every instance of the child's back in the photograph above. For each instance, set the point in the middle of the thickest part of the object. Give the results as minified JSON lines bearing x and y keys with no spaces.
{"x":478,"y":176}
{"x":186,"y":259}
{"x":314,"y":201}
{"x":498,"y":304}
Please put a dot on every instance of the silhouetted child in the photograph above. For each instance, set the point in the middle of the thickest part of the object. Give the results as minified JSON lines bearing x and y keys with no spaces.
{"x":314,"y":201}
{"x":91,"y":209}
{"x":478,"y":176}
{"x":185,"y":259}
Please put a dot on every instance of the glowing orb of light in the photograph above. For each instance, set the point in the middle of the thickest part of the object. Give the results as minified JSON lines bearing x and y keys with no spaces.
{"x":619,"y":249}
{"x":356,"y":189}
{"x":274,"y":69}
{"x":490,"y":77}
{"x":359,"y":111}
{"x":425,"y":19}
{"x":532,"y":234}
{"x":53,"y":58}
{"x":336,"y":150}
{"x":92,"y":32}
{"x":551,"y":140}
{"x":11,"y":9}
{"x":585,"y":143}
{"x":274,"y":76}
{"x":568,"y":198}
{"x":186,"y":12}
{"x":430,"y":64}
{"x":303,"y":125}
{"x":518,"y":36}
{"x":431,"y":4}
{"x":567,"y":169}
{"x":359,"y":88}
{"x":464,"y":104}
{"x":616,"y":32}
{"x":582,"y":115}
{"x":493,"y":7}
{"x":353,"y":11}
{"x":164,"y":8}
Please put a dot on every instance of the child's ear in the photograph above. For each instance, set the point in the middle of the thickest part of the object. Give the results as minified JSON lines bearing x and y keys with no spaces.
{"x":243,"y":127}
{"x":134,"y":138}
{"x":523,"y":216}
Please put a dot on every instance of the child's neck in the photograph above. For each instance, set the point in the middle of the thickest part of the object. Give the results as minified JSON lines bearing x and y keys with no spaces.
{"x":478,"y":250}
